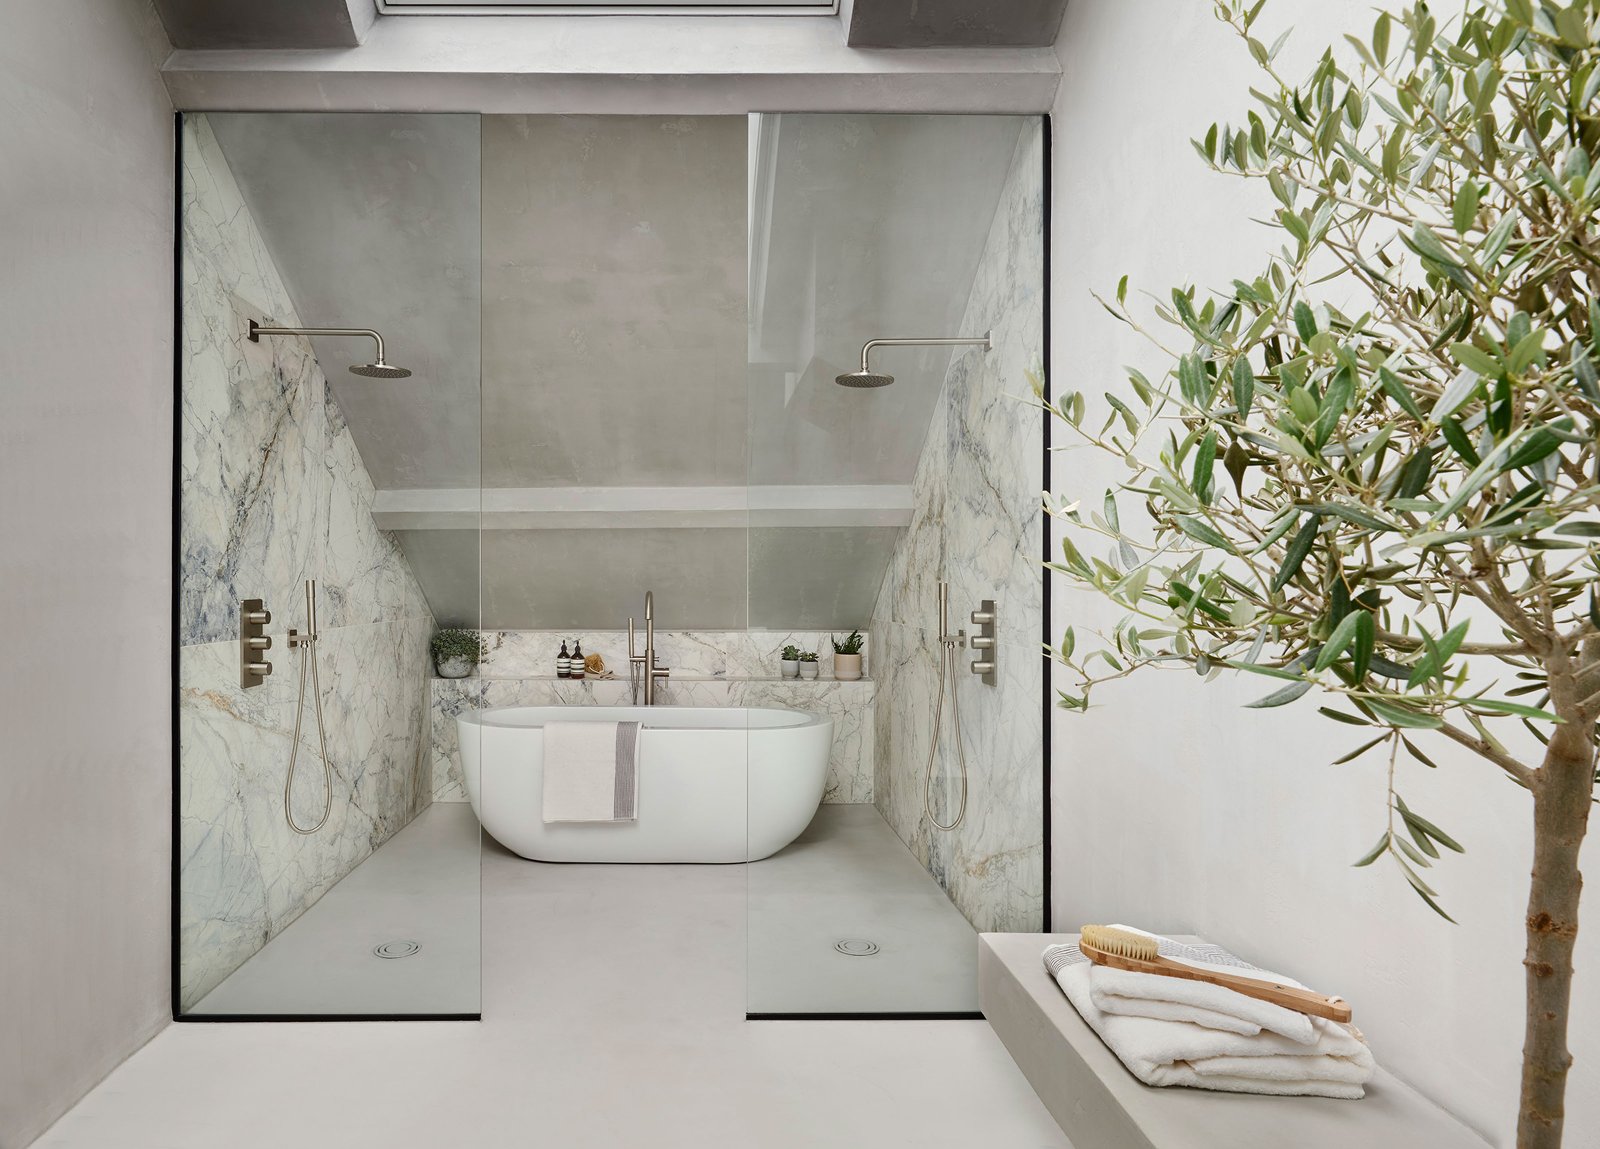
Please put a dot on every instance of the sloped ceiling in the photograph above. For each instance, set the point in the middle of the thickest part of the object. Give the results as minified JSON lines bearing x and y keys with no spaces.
{"x":594,"y":273}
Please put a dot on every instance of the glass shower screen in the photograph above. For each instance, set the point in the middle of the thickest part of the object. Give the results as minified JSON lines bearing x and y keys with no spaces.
{"x":883,"y":481}
{"x":329,"y":525}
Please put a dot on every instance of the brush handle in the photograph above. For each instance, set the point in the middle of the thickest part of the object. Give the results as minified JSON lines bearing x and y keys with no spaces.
{"x":1288,"y":996}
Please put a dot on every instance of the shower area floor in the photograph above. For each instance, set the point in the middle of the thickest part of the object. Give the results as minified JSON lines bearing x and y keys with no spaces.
{"x":420,"y":886}
{"x":848,"y":877}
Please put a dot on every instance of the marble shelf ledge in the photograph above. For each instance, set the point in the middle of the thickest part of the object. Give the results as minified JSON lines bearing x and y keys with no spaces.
{"x":865,"y":678}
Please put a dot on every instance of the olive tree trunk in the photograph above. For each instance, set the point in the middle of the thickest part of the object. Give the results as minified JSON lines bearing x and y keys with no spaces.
{"x":1562,"y":794}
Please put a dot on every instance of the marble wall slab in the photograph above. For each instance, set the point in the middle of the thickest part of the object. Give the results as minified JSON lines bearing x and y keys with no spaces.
{"x":272,"y":493}
{"x":690,"y":653}
{"x":976,"y":524}
{"x":849,"y":704}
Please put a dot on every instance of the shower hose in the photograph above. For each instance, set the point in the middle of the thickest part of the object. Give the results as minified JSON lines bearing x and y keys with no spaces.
{"x":308,"y":659}
{"x":948,"y":667}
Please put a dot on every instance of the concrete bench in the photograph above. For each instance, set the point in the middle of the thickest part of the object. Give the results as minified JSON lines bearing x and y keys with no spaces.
{"x":1100,"y":1105}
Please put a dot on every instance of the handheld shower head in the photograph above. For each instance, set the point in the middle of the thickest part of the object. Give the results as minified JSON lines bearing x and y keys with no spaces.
{"x":377,"y":369}
{"x":866,"y":377}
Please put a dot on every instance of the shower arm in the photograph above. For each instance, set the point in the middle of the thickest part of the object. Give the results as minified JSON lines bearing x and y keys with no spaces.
{"x":256,"y":331}
{"x":986,"y":342}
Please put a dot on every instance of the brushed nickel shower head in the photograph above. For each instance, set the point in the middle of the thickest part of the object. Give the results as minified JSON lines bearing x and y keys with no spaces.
{"x":377,"y":369}
{"x":866,"y":377}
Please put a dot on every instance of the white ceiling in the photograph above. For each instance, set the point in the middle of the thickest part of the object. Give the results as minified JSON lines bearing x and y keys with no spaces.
{"x":607,"y":320}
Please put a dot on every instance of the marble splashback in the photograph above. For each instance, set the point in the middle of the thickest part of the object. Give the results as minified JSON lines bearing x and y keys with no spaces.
{"x":272,"y":493}
{"x":690,"y":653}
{"x":849,"y":704}
{"x":976,"y":523}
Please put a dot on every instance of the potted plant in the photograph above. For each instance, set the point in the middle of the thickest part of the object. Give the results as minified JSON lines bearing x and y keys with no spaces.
{"x":791,"y":661}
{"x":1398,"y":507}
{"x":808,"y":664}
{"x":847,"y":657}
{"x":456,"y":652}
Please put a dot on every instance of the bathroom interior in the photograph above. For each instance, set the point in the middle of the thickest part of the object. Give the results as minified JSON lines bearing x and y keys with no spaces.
{"x":660,"y":397}
{"x":369,"y":361}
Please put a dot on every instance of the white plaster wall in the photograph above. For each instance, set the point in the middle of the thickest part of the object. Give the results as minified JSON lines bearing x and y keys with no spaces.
{"x":85,"y":504}
{"x":1174,"y":808}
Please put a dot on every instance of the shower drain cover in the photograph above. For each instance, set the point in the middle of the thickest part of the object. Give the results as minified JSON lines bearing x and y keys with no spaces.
{"x":395,"y":949}
{"x":856,"y":947}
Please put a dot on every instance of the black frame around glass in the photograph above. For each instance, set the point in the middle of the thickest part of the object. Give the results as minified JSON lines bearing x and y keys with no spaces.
{"x":175,"y":890}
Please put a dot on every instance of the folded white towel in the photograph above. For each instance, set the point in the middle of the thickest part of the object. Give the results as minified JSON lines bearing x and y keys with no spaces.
{"x":1247,"y":1051}
{"x":590,"y":771}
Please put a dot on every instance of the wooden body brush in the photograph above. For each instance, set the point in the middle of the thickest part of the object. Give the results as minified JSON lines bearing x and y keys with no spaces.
{"x":1124,"y":949}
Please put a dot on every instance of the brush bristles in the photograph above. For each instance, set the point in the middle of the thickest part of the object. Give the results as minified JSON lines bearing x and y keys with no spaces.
{"x":1123,"y":943}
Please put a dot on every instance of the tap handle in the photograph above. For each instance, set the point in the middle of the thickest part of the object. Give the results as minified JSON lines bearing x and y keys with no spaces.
{"x":633,"y":655}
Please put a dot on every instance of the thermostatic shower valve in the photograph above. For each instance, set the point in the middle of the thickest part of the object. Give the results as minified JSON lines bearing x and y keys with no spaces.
{"x":983,"y":641}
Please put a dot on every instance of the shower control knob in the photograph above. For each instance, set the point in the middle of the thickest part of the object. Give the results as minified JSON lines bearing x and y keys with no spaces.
{"x":982,"y":617}
{"x":982,"y":642}
{"x":983,"y":668}
{"x":261,"y":668}
{"x":259,"y":642}
{"x":258,"y":617}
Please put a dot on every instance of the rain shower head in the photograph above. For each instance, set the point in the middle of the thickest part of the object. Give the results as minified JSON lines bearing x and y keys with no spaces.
{"x":863,"y":379}
{"x":866,"y":377}
{"x":377,"y":369}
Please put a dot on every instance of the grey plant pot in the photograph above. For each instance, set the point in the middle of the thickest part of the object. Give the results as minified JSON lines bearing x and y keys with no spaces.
{"x":791,"y":667}
{"x":808,"y":669}
{"x":457,"y":667}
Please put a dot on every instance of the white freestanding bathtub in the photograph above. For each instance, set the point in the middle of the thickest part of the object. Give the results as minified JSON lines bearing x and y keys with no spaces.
{"x":715,"y":784}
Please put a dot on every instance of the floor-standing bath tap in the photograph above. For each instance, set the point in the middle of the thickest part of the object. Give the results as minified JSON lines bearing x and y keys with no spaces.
{"x":647,"y":658}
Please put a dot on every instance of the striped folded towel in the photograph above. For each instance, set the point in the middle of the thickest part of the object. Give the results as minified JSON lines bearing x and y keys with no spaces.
{"x":590,"y":771}
{"x":1169,"y":1031}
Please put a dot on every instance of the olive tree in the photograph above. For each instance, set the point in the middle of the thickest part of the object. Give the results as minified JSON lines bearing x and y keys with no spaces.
{"x":1371,"y":468}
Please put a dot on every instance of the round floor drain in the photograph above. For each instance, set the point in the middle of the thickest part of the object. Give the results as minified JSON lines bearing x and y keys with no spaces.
{"x":397,"y":949}
{"x":856,"y":947}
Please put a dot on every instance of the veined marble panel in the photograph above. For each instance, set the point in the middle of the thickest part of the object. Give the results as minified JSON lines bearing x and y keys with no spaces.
{"x":690,"y":653}
{"x":273,"y":492}
{"x":976,"y":524}
{"x":849,"y":704}
{"x":244,"y":874}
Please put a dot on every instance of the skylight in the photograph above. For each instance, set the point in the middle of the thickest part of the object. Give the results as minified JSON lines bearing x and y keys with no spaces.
{"x":608,"y":8}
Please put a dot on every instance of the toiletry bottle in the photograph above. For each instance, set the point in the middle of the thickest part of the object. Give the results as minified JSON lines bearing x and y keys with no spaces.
{"x":563,"y":662}
{"x":577,"y":658}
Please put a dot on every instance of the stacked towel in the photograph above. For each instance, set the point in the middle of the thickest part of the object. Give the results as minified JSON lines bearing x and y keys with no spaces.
{"x":1169,"y":1031}
{"x":590,"y":771}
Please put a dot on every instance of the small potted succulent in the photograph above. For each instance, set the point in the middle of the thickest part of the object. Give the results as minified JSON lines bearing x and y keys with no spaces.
{"x":791,"y":661}
{"x":456,"y":652}
{"x":808,"y":664}
{"x":847,"y":657}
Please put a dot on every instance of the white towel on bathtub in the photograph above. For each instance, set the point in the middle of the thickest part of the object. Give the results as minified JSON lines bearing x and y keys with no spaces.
{"x":591,"y":771}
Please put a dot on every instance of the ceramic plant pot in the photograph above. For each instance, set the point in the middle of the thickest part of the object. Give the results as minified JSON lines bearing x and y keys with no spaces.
{"x":847,"y":667}
{"x":791,"y":667}
{"x":808,"y":669}
{"x":457,"y":667}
